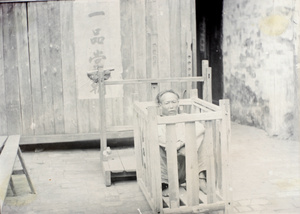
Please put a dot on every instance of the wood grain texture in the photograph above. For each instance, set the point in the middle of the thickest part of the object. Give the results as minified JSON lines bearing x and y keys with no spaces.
{"x":172,"y":165}
{"x":46,"y":75}
{"x":127,"y":52}
{"x":55,"y":69}
{"x":192,"y":180}
{"x":3,"y":121}
{"x":36,"y":88}
{"x":11,"y":74}
{"x":23,"y":68}
{"x":163,"y":27}
{"x":139,"y":46}
{"x":68,"y":67}
{"x":175,"y":41}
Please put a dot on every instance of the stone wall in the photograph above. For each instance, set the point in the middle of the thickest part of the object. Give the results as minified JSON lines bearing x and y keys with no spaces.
{"x":260,"y":54}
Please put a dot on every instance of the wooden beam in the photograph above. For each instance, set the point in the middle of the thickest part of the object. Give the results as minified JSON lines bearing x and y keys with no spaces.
{"x":61,"y":138}
{"x":22,"y":1}
{"x":155,"y":80}
{"x":202,"y":208}
{"x":183,"y":118}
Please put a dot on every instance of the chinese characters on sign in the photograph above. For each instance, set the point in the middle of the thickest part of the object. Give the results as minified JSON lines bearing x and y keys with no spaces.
{"x":97,"y":57}
{"x":97,"y":41}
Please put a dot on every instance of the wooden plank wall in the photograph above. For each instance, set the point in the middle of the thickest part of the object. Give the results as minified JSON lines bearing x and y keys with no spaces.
{"x":37,"y":63}
{"x":154,"y":39}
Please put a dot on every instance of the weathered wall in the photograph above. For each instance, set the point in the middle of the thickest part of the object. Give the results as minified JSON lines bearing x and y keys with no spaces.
{"x":259,"y":56}
{"x":47,"y":49}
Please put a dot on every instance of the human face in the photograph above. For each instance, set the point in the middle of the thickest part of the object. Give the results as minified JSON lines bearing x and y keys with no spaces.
{"x":169,"y":104}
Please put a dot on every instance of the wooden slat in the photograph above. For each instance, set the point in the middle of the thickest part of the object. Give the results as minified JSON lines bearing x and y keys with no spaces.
{"x":206,"y":73}
{"x":7,"y":160}
{"x":226,"y":139}
{"x":185,"y":43}
{"x":127,"y":157}
{"x":94,"y":115}
{"x":201,"y":108}
{"x":20,"y":1}
{"x":57,"y":138}
{"x":3,"y":116}
{"x":181,"y":118}
{"x":163,"y":27}
{"x":192,"y":180}
{"x":83,"y":115}
{"x":201,"y":208}
{"x":175,"y":43}
{"x":194,"y":39}
{"x":209,"y":84}
{"x":36,"y":89}
{"x":218,"y":155}
{"x":55,"y":70}
{"x":23,"y":68}
{"x":154,"y":65}
{"x":210,"y":173}
{"x":154,"y":80}
{"x":137,"y":145}
{"x":11,"y":74}
{"x":127,"y":60}
{"x":152,"y":137}
{"x":109,"y":112}
{"x":46,"y":75}
{"x":102,"y":100}
{"x":172,"y":165}
{"x":118,"y":111}
{"x":139,"y":45}
{"x":151,"y":45}
{"x":68,"y":67}
{"x":206,"y":104}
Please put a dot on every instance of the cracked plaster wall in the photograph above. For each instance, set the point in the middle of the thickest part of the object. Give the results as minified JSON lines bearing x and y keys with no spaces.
{"x":260,"y":54}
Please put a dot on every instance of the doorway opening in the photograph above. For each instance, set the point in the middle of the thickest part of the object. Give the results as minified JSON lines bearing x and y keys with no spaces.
{"x":209,"y":43}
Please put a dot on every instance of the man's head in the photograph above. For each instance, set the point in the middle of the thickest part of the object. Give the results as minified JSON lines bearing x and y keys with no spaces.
{"x":168,"y":101}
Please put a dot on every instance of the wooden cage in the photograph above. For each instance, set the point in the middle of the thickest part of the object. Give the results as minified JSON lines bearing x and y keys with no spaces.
{"x":120,"y":162}
{"x":184,"y":198}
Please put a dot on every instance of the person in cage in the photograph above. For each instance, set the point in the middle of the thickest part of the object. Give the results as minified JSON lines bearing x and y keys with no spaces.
{"x":168,"y":105}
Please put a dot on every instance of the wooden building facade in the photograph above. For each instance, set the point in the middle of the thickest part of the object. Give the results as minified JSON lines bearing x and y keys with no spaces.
{"x":41,"y":57}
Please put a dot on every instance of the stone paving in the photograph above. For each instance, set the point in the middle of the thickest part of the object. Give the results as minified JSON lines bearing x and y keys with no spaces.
{"x":265,"y":176}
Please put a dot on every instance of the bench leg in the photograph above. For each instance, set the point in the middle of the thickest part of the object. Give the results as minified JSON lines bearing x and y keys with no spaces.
{"x":25,"y":171}
{"x":12,"y":186}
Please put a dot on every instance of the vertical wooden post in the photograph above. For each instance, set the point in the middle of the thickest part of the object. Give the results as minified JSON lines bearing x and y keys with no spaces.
{"x":209,"y":85}
{"x":137,"y":143}
{"x":155,"y":160}
{"x":103,"y":143}
{"x":210,"y":174}
{"x":206,"y":73}
{"x":194,"y":95}
{"x":192,"y":178}
{"x":172,"y":165}
{"x":189,"y":61}
{"x":226,"y":138}
{"x":154,"y":65}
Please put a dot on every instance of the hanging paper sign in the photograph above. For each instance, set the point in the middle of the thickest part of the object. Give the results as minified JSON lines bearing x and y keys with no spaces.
{"x":97,"y":42}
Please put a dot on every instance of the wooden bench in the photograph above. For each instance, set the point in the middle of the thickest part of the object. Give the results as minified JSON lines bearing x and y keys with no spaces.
{"x":184,"y":198}
{"x":9,"y":150}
